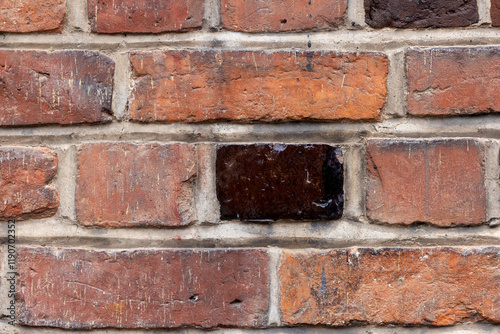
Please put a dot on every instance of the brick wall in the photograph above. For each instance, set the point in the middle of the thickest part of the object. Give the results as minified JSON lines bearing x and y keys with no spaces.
{"x":251,"y":166}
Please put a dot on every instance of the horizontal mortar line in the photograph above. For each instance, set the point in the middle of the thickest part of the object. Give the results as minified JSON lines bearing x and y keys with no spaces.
{"x":308,"y":243}
{"x":341,"y":39}
{"x":486,"y":127}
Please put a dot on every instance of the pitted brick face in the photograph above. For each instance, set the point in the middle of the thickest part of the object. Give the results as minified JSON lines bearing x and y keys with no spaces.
{"x":28,"y":16}
{"x":247,"y":86}
{"x":24,"y":176}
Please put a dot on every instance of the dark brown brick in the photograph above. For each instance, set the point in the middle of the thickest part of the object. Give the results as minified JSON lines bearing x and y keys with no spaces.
{"x":453,"y":81}
{"x":85,"y":289}
{"x":277,"y":181}
{"x":144,"y":16}
{"x":64,"y":87}
{"x":32,"y":15}
{"x":283,"y":15}
{"x":245,"y":86}
{"x":421,"y":14}
{"x":124,"y":184}
{"x":24,"y":175}
{"x":421,"y":286}
{"x":440,"y":182}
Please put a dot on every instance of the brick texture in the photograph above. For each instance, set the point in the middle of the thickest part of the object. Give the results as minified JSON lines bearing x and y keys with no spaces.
{"x":144,"y":16}
{"x":440,"y":182}
{"x":124,"y":184}
{"x":84,"y":289}
{"x":421,"y":14}
{"x":32,"y":15}
{"x":288,"y":15}
{"x":426,"y":286}
{"x":24,"y":175}
{"x":245,"y":86}
{"x":271,"y":182}
{"x":495,"y":13}
{"x":64,"y":87}
{"x":453,"y":81}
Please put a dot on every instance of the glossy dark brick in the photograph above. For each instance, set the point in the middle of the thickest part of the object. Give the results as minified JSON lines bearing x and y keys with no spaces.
{"x":277,"y":181}
{"x":421,"y":14}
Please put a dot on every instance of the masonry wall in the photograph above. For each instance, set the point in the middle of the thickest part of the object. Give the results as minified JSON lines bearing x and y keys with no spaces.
{"x":250,"y":166}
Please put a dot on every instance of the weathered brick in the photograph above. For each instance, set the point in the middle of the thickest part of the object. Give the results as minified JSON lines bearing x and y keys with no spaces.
{"x":270,"y":182}
{"x":195,"y":86}
{"x":453,"y":81}
{"x":124,"y":184}
{"x":439,"y":182}
{"x":24,"y":175}
{"x":64,"y":87}
{"x":285,"y":15}
{"x":85,"y":289}
{"x":421,"y":286}
{"x":144,"y":16}
{"x":421,"y":14}
{"x":32,"y":15}
{"x":495,"y":13}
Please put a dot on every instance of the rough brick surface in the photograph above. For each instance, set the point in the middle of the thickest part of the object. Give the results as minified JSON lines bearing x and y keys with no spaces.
{"x":495,"y":13}
{"x":32,"y":15}
{"x":440,"y":182}
{"x":64,"y":87}
{"x":288,"y":15}
{"x":195,"y":86}
{"x":83,"y":289}
{"x":421,"y":14}
{"x":124,"y":184}
{"x":24,"y":175}
{"x":453,"y":81}
{"x":144,"y":16}
{"x":270,"y":182}
{"x":428,"y":286}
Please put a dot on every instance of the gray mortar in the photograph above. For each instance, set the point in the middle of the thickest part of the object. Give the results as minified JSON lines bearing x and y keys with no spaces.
{"x":353,"y":230}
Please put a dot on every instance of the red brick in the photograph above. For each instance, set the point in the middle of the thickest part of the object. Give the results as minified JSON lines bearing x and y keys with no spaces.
{"x":495,"y":13}
{"x":245,"y":86}
{"x":440,"y":182}
{"x":453,"y":81}
{"x":85,"y":289}
{"x":24,"y":175}
{"x":284,"y":15}
{"x":421,"y":286}
{"x":124,"y":184}
{"x":32,"y":15}
{"x":144,"y":16}
{"x":65,"y":87}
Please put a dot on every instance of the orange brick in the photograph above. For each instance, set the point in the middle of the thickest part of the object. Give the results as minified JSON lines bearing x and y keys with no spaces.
{"x":245,"y":86}
{"x":32,"y":15}
{"x":393,"y":286}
